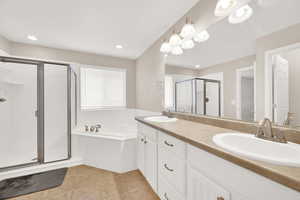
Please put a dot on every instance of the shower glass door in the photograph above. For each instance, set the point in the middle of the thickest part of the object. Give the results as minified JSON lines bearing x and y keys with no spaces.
{"x":18,"y":120}
{"x":36,"y":103}
{"x":56,"y":122}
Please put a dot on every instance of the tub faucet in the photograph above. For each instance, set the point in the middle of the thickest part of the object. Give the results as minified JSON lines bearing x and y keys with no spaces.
{"x":265,"y":131}
{"x":92,"y":128}
{"x":97,"y":127}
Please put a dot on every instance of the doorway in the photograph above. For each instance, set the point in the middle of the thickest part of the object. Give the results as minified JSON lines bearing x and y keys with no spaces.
{"x":245,"y":104}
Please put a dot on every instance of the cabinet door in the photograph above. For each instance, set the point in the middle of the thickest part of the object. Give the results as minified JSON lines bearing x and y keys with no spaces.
{"x":202,"y":188}
{"x":141,"y":153}
{"x":151,"y":163}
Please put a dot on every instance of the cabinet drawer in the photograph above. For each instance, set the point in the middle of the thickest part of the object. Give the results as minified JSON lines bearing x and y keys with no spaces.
{"x":166,"y":192}
{"x":173,"y":170}
{"x":172,"y":145}
{"x":147,"y":131}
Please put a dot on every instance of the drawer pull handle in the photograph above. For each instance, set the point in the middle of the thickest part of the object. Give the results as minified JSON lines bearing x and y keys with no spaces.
{"x":166,"y":196}
{"x":166,"y":166}
{"x":220,"y":198}
{"x":168,"y":144}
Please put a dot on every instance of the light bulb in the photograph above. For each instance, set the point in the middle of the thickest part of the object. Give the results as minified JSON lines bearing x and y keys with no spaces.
{"x":165,"y":47}
{"x":225,"y":7}
{"x":240,"y":15}
{"x":202,"y":36}
{"x":188,"y":31}
{"x":175,"y":40}
{"x":177,"y":51}
{"x":187,"y":44}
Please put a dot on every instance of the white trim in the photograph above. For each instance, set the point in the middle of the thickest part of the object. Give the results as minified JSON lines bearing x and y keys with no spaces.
{"x":268,"y":75}
{"x":238,"y":89}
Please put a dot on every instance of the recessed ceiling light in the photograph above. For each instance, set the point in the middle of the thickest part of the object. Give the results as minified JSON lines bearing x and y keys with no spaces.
{"x":119,"y":46}
{"x":32,"y":37}
{"x":197,"y":66}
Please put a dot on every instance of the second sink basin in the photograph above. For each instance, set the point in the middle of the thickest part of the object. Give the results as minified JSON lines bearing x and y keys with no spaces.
{"x":160,"y":119}
{"x":258,"y":149}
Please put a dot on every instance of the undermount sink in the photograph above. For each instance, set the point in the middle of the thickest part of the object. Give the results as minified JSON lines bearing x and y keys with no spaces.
{"x":287,"y":154}
{"x":160,"y":119}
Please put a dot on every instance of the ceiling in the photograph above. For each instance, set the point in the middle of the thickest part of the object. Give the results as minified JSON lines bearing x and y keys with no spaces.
{"x":229,"y":42}
{"x":94,"y":26}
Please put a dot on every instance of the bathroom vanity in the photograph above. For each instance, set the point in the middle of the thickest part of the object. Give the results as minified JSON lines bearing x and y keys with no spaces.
{"x":181,"y":162}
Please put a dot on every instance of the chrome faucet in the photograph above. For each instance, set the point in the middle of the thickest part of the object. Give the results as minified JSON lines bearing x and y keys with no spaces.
{"x":97,"y":127}
{"x":92,"y":128}
{"x":265,"y":131}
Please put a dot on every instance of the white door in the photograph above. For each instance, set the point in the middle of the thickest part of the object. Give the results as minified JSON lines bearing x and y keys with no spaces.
{"x":202,"y":188}
{"x":151,"y":163}
{"x":281,"y":89}
{"x":212,"y":99}
{"x":141,"y":153}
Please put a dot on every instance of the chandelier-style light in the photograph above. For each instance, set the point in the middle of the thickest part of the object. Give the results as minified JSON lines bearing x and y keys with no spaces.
{"x":225,"y":7}
{"x":175,"y":40}
{"x":201,"y":36}
{"x":165,"y":48}
{"x":240,"y":15}
{"x":188,"y":30}
{"x":187,"y":44}
{"x":177,"y":50}
{"x":185,"y":40}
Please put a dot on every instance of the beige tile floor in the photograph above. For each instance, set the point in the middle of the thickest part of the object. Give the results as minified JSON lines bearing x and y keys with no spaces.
{"x":88,"y":183}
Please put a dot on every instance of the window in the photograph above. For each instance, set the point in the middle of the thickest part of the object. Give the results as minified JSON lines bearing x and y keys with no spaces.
{"x":169,"y":92}
{"x":102,"y":88}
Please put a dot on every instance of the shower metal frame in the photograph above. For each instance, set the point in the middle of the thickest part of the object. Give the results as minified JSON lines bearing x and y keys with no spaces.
{"x":40,"y":108}
{"x":194,"y":94}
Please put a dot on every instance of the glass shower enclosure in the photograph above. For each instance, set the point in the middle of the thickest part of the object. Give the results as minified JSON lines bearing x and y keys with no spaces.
{"x":37,"y":110}
{"x":198,"y":96}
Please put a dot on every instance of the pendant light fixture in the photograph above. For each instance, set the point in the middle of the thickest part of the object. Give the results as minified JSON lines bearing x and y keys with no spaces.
{"x":165,"y":47}
{"x":240,"y":15}
{"x":225,"y":7}
{"x":187,"y":44}
{"x":201,"y":36}
{"x":177,"y":50}
{"x":175,"y":40}
{"x":188,"y":30}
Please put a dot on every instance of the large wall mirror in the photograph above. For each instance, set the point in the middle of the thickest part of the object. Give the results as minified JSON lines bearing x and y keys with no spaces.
{"x":245,"y":71}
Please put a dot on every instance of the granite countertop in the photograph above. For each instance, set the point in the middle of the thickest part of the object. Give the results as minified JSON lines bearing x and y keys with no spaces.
{"x":200,"y":135}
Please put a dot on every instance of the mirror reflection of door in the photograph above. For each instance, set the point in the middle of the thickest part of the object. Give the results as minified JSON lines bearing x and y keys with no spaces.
{"x":212,"y":99}
{"x":245,"y":94}
{"x":280,"y":89}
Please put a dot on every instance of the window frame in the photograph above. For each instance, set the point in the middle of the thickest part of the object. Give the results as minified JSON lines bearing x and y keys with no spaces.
{"x":95,"y":108}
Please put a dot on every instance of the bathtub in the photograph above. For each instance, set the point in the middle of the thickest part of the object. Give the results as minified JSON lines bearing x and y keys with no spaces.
{"x":108,"y":149}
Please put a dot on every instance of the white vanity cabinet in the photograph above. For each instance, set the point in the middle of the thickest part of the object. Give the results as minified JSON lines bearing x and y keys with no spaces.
{"x":147,"y":154}
{"x":179,"y":171}
{"x":200,"y":187}
{"x":171,"y":167}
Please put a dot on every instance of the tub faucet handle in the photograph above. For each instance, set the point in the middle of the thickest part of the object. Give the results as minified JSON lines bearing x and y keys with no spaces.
{"x":98,"y":126}
{"x":86,"y":128}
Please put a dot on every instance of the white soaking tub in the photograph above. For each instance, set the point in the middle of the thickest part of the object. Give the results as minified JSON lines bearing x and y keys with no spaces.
{"x":110,"y":150}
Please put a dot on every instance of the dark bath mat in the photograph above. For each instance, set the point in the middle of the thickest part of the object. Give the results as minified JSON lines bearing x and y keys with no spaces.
{"x":31,"y":183}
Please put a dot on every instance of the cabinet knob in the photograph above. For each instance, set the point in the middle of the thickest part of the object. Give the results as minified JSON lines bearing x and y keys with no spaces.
{"x":142,"y":140}
{"x":220,"y":198}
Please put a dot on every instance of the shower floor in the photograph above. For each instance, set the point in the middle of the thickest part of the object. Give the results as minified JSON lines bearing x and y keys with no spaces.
{"x":83,"y":182}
